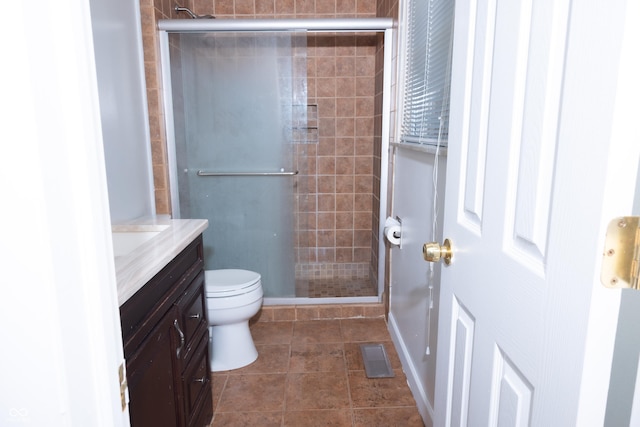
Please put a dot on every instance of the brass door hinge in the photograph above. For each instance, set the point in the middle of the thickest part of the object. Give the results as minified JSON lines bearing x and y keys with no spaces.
{"x":124,"y":394}
{"x":621,"y":258}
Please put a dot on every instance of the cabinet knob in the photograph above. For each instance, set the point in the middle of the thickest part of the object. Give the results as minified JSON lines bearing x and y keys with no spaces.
{"x":200,"y":380}
{"x":194,"y":316}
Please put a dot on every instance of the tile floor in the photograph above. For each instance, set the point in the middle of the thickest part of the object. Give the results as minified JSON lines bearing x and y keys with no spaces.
{"x":310,"y":373}
{"x":335,"y":287}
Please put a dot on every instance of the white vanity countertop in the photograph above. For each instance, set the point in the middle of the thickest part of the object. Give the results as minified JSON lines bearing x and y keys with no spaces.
{"x":138,"y":266}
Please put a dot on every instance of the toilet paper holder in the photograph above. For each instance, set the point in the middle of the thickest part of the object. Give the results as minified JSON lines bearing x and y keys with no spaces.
{"x":393,"y":231}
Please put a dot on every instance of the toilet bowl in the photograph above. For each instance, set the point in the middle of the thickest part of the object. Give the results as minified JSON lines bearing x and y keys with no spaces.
{"x":232,"y":298}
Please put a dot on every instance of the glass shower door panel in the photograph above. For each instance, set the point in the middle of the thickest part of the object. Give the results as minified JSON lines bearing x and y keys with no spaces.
{"x":237,"y":103}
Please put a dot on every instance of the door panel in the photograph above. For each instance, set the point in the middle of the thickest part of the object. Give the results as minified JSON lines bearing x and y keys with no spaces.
{"x":460,"y":353}
{"x":510,"y":102}
{"x":474,"y":138}
{"x":525,"y":187}
{"x":234,"y":96}
{"x":511,"y":394}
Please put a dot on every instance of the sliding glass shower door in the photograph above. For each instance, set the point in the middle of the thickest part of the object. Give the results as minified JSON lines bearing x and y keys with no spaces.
{"x":235,"y":98}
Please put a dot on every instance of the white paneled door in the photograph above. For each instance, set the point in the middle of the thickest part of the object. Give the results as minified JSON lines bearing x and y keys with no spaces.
{"x":543,"y":150}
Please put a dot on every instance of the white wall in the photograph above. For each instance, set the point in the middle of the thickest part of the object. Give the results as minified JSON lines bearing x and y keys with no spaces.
{"x":412,"y":323}
{"x":60,"y":334}
{"x":123,"y":106}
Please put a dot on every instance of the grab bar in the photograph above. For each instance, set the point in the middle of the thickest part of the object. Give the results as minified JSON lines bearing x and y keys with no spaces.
{"x":282,"y":173}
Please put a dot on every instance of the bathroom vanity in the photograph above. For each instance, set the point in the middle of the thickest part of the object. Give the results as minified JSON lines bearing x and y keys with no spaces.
{"x":163,"y":316}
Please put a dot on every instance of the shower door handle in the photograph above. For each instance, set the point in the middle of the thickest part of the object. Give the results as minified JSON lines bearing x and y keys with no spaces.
{"x":281,"y":173}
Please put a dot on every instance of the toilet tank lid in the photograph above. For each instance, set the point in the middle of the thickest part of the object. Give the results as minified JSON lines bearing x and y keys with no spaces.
{"x":229,"y":279}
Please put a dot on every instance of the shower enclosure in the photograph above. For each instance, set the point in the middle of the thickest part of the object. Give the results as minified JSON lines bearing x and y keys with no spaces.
{"x":247,"y":142}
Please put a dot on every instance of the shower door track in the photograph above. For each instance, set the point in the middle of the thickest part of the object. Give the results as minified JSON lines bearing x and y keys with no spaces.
{"x":351,"y":25}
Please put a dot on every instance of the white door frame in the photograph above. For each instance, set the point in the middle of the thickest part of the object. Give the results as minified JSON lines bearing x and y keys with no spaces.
{"x":619,"y":189}
{"x":60,"y":315}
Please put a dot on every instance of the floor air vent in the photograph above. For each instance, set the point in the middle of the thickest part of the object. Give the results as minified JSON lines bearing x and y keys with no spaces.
{"x":376,"y":362}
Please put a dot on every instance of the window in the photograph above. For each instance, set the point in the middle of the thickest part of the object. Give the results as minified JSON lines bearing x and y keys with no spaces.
{"x":427,"y":72}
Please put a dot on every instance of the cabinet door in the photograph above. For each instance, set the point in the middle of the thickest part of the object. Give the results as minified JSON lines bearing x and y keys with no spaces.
{"x":150,"y":373}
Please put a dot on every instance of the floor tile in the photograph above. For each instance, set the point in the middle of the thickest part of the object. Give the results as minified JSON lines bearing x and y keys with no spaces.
{"x":387,"y":417}
{"x":335,"y":287}
{"x":317,"y":391}
{"x":258,"y":392}
{"x":217,"y":385}
{"x":272,"y":359}
{"x":379,"y":392}
{"x":318,"y":418}
{"x":310,"y":373}
{"x":247,"y":419}
{"x":355,"y":330}
{"x":317,"y":357}
{"x":317,"y":331}
{"x":272,"y":332}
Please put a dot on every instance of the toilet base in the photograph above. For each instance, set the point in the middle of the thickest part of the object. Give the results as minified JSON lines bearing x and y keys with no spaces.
{"x":234,"y":345}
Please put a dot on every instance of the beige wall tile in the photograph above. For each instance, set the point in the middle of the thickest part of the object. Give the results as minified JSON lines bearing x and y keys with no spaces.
{"x":327,"y":184}
{"x":344,"y":202}
{"x":326,"y":6}
{"x":244,"y":7}
{"x":345,"y":126}
{"x":345,"y":146}
{"x":326,"y":202}
{"x":345,"y":183}
{"x":284,"y":7}
{"x":344,"y":220}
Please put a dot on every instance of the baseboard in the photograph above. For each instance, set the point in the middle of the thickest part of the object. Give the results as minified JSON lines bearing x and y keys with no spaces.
{"x":425,"y":409}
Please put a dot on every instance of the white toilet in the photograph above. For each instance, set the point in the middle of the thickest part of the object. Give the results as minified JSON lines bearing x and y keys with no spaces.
{"x":233,"y":297}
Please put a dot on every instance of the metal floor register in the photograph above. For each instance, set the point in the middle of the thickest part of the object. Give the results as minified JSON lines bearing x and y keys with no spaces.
{"x":376,"y":361}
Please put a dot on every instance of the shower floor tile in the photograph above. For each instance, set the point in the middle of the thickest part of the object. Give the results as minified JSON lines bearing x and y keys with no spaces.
{"x":334,"y":287}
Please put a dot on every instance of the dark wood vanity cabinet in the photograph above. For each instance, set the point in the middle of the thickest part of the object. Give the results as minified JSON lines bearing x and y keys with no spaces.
{"x":166,"y":338}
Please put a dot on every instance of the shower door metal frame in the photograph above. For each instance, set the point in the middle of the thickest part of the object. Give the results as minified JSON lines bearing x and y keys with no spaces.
{"x":350,"y":25}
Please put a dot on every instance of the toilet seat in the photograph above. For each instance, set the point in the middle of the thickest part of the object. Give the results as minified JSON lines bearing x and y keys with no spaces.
{"x":229,"y":282}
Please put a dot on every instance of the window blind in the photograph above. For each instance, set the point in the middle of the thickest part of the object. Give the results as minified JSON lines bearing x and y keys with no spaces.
{"x":425,"y":114}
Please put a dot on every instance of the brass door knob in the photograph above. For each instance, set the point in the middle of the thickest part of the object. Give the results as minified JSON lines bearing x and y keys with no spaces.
{"x":434,"y":251}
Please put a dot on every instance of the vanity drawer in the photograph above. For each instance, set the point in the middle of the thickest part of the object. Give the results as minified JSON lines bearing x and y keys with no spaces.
{"x":193,"y":320}
{"x":196,"y":382}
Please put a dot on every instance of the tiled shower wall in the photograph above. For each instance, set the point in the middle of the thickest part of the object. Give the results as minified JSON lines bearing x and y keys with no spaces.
{"x":338,"y":210}
{"x":336,"y":204}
